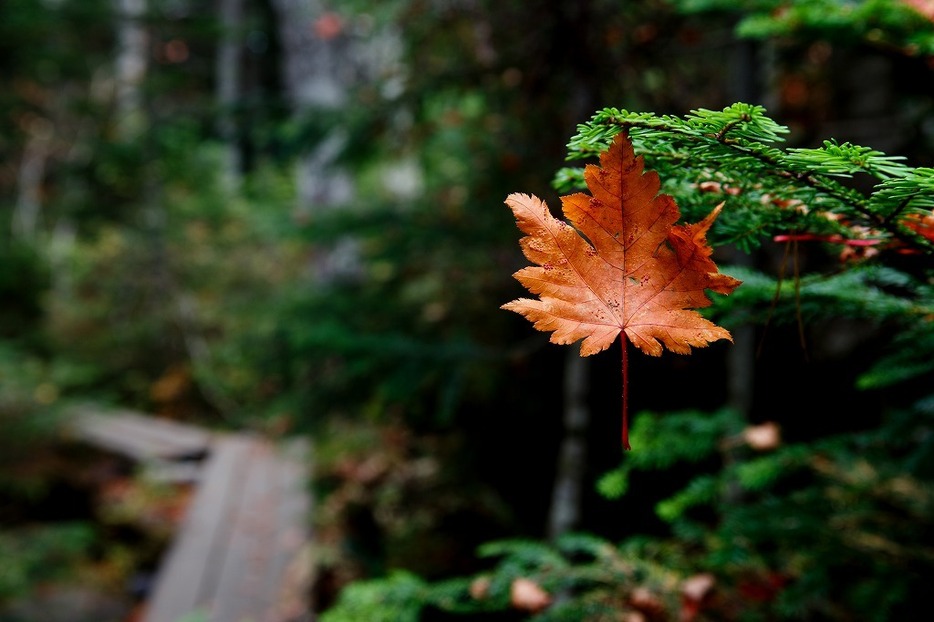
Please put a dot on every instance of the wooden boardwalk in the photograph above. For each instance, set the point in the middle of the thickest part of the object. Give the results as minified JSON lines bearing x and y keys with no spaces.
{"x":242,"y":551}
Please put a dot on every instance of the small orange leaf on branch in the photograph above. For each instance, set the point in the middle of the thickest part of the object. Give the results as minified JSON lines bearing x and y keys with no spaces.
{"x":621,"y":268}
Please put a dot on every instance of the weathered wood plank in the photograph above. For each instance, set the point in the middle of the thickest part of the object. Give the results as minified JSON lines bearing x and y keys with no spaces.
{"x":187,"y":579}
{"x":239,"y":594}
{"x":138,"y":436}
{"x":290,"y":572}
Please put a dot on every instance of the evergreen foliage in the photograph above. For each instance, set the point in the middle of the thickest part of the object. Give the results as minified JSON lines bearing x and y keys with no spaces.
{"x":827,"y":528}
{"x":895,"y":24}
{"x":768,"y":190}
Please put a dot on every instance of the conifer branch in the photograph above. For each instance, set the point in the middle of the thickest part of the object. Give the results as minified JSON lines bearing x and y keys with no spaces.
{"x":738,"y":136}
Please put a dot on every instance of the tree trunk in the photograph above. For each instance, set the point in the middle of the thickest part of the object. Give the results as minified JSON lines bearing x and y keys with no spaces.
{"x":318,"y":70}
{"x":319,"y":65}
{"x":131,"y":66}
{"x":228,"y":86}
{"x":567,"y":492}
{"x":565,"y":511}
{"x":749,"y":64}
{"x":29,"y":183}
{"x":741,"y":357}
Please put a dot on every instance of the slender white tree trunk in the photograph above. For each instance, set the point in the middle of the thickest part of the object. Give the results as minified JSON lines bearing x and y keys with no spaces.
{"x":319,"y":66}
{"x":28,"y":206}
{"x":131,"y":65}
{"x":565,"y":511}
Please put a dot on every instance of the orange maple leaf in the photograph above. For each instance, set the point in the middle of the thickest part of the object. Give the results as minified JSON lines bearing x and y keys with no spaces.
{"x":624,"y":269}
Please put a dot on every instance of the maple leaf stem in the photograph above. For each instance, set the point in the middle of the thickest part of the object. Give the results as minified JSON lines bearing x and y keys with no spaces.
{"x":623,"y":342}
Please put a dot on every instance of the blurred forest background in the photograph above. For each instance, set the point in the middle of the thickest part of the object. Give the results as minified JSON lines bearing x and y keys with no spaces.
{"x":287,"y":216}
